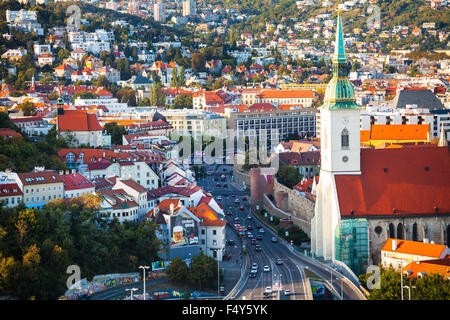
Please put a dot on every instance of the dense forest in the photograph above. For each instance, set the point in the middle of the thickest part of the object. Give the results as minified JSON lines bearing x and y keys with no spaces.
{"x":37,"y":246}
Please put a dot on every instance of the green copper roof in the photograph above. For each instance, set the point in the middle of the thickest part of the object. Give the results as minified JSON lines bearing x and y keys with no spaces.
{"x":340,"y":93}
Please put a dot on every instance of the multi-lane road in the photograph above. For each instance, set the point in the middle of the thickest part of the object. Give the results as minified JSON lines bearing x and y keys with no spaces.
{"x":291,"y":270}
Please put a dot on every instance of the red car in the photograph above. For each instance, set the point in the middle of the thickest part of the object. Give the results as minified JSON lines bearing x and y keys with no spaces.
{"x":241,"y":208}
{"x":244,"y":198}
{"x":249,"y":228}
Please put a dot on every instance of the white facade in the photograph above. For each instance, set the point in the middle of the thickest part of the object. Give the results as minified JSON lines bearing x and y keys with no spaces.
{"x":212,"y":238}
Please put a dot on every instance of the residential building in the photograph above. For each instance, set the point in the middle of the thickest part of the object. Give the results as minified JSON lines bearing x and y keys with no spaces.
{"x":118,"y":204}
{"x":400,"y":252}
{"x":40,"y":187}
{"x":76,"y":185}
{"x":211,"y":231}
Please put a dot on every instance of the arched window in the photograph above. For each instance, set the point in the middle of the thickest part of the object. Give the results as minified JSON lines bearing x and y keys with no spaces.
{"x":400,"y":231}
{"x":414,"y":233}
{"x":391,"y":231}
{"x":344,"y":139}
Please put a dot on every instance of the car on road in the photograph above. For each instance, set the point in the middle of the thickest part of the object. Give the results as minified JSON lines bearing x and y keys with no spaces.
{"x":236,"y":219}
{"x":236,"y":225}
{"x":244,"y":198}
{"x":268,"y":290}
{"x":274,"y":239}
{"x":249,"y":217}
{"x":258,"y":248}
{"x":258,"y":226}
{"x":241,"y":208}
{"x":242,"y":233}
{"x":229,"y":213}
{"x":266,"y":269}
{"x":219,"y":198}
{"x":252,"y":274}
{"x":254,"y":266}
{"x":279,"y":261}
{"x":249,"y":235}
{"x":218,"y":184}
{"x":261,"y":230}
{"x":249,"y":228}
{"x":236,"y":201}
{"x":230,"y":242}
{"x":234,"y":196}
{"x":259,"y":237}
{"x":287,"y":292}
{"x":254,"y":241}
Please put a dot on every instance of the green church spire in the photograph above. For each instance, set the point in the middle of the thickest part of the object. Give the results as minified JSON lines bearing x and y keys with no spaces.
{"x":340,"y":93}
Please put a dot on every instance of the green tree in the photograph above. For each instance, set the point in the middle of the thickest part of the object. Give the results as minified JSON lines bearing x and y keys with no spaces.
{"x":183,"y":101}
{"x":198,"y":62}
{"x":203,"y":271}
{"x":27,"y":108}
{"x":177,"y":271}
{"x":115,"y":131}
{"x":174,"y":82}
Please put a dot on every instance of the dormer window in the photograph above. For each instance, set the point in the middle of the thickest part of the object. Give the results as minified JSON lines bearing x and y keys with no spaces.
{"x":344,"y":139}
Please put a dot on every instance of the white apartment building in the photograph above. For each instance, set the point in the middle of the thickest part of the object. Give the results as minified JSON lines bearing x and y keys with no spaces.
{"x":189,"y":8}
{"x":195,"y":122}
{"x":159,"y":13}
{"x":24,"y":20}
{"x":112,"y":104}
{"x":140,"y":172}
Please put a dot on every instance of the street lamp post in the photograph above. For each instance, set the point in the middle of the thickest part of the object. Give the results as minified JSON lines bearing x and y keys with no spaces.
{"x":409,"y":291}
{"x":218,"y":273}
{"x":401,"y":276}
{"x":132,"y":290}
{"x":143,"y":270}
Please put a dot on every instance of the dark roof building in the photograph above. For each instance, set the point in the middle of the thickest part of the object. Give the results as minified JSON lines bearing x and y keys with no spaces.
{"x":422,"y":97}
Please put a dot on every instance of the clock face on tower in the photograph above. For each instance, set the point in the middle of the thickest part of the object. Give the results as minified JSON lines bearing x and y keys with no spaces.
{"x":344,"y":158}
{"x":345,"y":121}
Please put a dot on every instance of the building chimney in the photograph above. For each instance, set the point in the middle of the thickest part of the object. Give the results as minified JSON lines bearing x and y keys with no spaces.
{"x":394,"y":244}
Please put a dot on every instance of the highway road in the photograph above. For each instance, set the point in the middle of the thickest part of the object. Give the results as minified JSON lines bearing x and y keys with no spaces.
{"x":290,"y":271}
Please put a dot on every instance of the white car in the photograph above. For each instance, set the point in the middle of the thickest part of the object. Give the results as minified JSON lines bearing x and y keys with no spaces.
{"x":268,"y":290}
{"x":261,"y":230}
{"x":249,"y":235}
{"x":254,"y":266}
{"x":266,"y":268}
{"x":236,"y":201}
{"x":287,"y":292}
{"x":219,"y":198}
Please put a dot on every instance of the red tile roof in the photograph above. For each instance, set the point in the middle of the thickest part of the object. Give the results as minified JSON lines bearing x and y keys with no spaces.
{"x":413,"y":180}
{"x":134,"y":185}
{"x":41,"y":177}
{"x":9,"y":190}
{"x":399,"y":132}
{"x":78,"y":120}
{"x":209,"y":216}
{"x":121,"y":198}
{"x":435,"y":266}
{"x":75,"y":181}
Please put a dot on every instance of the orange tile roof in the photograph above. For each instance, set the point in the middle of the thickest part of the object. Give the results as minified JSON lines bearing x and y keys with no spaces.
{"x":399,"y":132}
{"x":209,"y":216}
{"x":415,"y":248}
{"x":364,"y":135}
{"x":287,"y":94}
{"x":435,"y":266}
